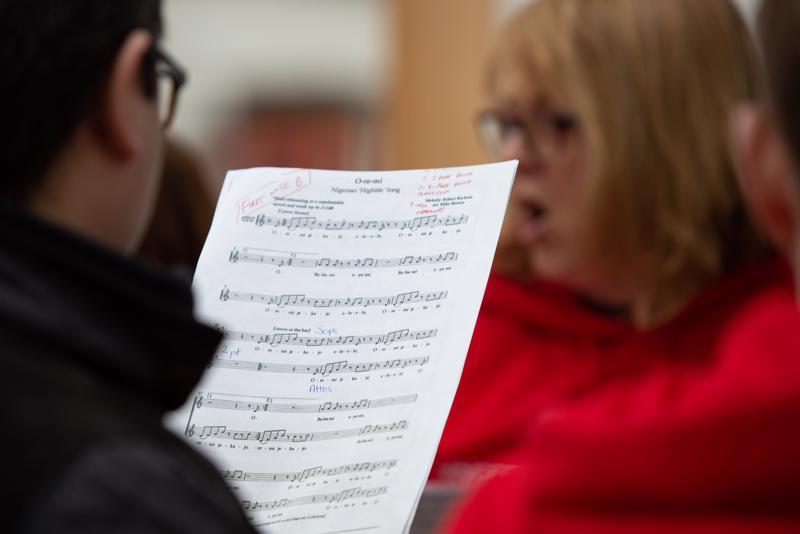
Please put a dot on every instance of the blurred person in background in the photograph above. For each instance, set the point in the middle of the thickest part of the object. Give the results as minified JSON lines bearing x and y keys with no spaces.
{"x":633,"y":222}
{"x":183,"y":212}
{"x":710,"y":448}
{"x":767,"y":134}
{"x":96,"y":346}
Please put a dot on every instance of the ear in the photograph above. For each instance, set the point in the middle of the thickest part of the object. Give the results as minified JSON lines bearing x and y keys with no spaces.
{"x":767,"y":175}
{"x":120,"y":119}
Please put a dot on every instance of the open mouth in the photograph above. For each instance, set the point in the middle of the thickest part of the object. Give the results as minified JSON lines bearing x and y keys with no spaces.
{"x":534,"y":224}
{"x":536,"y":211}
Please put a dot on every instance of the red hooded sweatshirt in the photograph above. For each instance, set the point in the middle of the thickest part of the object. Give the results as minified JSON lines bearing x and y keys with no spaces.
{"x":714,"y":448}
{"x":536,"y":347}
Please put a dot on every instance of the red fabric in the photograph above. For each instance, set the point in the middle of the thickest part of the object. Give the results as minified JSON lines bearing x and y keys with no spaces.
{"x":537,"y":347}
{"x":704,"y":449}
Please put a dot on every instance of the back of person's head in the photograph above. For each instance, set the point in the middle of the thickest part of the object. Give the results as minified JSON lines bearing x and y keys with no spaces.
{"x":779,"y":25}
{"x":767,"y":133}
{"x":648,"y":85}
{"x":55,"y":56}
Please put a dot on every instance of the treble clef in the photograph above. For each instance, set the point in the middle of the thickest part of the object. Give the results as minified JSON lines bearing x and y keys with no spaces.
{"x":199,"y":401}
{"x":225,"y":294}
{"x":234,"y":257}
{"x":190,"y":431}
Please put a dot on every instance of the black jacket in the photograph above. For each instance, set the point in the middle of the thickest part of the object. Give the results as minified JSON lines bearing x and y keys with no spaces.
{"x":95,"y":348}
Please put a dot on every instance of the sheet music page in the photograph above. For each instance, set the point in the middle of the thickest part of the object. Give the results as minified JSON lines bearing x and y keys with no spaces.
{"x":348,"y":301}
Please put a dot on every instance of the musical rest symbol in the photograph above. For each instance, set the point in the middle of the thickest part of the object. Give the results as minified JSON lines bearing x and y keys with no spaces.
{"x":302,"y":438}
{"x":364,"y":367}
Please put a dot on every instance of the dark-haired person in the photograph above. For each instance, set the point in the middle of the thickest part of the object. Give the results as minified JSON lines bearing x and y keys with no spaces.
{"x":95,"y":346}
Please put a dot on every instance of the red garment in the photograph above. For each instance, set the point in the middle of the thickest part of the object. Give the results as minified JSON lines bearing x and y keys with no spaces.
{"x":709,"y":449}
{"x":537,"y":347}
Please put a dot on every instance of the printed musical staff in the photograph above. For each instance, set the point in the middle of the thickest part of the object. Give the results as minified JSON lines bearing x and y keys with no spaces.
{"x":211,"y":401}
{"x":341,"y":367}
{"x":329,"y":498}
{"x":411,"y":297}
{"x":305,"y":474}
{"x":312,"y":223}
{"x":327,"y":263}
{"x":327,"y":341}
{"x":281,"y":435}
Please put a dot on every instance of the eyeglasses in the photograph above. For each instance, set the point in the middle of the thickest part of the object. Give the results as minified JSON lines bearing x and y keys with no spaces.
{"x":543,"y":133}
{"x":169,"y":80}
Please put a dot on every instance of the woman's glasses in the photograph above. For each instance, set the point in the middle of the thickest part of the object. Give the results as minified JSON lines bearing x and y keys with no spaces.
{"x":542,"y":133}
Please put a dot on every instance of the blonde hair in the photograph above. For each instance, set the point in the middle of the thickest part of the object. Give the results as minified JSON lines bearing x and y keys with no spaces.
{"x":653,"y":83}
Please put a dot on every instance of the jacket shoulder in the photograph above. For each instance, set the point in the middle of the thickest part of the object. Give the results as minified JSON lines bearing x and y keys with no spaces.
{"x":136,"y":486}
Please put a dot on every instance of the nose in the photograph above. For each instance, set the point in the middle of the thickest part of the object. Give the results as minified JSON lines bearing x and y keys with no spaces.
{"x":517,"y":146}
{"x":514,"y":145}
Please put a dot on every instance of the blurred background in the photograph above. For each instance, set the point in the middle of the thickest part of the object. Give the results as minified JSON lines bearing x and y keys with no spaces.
{"x":341,"y":84}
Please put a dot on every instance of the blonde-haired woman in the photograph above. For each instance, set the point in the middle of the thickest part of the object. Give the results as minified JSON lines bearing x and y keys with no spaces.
{"x":618,"y":112}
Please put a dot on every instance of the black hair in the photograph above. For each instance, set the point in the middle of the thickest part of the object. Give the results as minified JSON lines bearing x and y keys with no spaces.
{"x":779,"y":24}
{"x":55,"y":56}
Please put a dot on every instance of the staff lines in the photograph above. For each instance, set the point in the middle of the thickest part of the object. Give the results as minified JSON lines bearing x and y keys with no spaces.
{"x":395,"y":336}
{"x":329,"y":368}
{"x":292,"y":260}
{"x":312,"y":223}
{"x":210,"y":401}
{"x":238,"y":475}
{"x":301,"y":300}
{"x":329,"y":498}
{"x":281,"y":435}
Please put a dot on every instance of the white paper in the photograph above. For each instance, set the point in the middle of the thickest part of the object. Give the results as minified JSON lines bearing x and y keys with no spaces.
{"x":348,"y":300}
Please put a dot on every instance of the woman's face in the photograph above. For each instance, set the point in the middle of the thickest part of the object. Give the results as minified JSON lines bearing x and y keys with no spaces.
{"x":551,"y":196}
